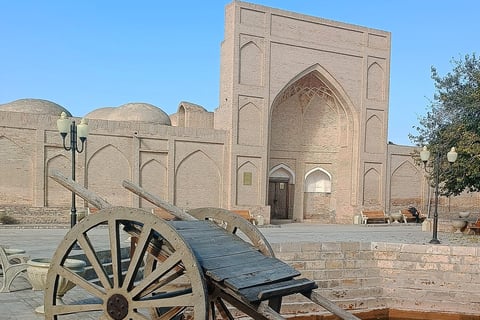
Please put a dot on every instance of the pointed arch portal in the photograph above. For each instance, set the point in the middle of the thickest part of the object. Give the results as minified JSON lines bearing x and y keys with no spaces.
{"x":311,"y":122}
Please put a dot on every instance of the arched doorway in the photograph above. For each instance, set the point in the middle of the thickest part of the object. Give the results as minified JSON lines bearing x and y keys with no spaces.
{"x":311,"y":127}
{"x":281,"y":189}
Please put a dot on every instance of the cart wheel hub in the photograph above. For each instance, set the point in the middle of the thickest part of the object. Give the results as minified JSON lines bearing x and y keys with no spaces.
{"x":117,"y":307}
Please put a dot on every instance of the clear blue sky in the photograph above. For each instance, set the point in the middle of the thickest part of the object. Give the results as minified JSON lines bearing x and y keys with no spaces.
{"x":89,"y":54}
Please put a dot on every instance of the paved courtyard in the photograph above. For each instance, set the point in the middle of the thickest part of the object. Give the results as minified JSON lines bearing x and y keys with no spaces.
{"x":42,"y":241}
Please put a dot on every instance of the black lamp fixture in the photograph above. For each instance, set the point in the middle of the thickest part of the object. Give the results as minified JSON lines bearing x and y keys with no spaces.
{"x":425,"y":156}
{"x":63,"y":125}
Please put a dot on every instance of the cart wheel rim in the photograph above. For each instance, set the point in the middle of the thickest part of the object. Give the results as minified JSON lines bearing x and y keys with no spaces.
{"x":126,"y":290}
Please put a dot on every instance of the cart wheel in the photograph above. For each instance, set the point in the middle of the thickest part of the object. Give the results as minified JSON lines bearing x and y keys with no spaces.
{"x":233,"y":223}
{"x":114,"y":286}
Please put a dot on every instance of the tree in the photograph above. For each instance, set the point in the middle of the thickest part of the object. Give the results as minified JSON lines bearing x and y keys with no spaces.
{"x":454,"y":120}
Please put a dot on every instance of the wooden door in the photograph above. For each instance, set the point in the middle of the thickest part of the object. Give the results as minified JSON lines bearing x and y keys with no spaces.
{"x":278,"y":198}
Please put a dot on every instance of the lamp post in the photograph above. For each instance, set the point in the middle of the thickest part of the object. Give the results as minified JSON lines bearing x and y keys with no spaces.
{"x":63,"y":125}
{"x":451,"y":157}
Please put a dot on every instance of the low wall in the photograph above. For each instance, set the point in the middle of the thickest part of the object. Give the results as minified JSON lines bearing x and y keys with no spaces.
{"x":38,"y":215}
{"x":365,"y":276}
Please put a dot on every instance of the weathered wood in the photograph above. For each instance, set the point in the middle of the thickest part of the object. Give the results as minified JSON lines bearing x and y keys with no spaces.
{"x":260,"y":293}
{"x":184,"y":288}
{"x":79,"y":190}
{"x":240,"y":274}
{"x":221,"y":262}
{"x":374,"y":215}
{"x":277,"y":273}
{"x":329,"y":305}
{"x":233,"y":222}
{"x":245,"y":214}
{"x":173,"y":210}
{"x":268,"y":312}
{"x":241,"y":268}
{"x":256,"y":311}
{"x":408,"y":216}
{"x":475,"y":227}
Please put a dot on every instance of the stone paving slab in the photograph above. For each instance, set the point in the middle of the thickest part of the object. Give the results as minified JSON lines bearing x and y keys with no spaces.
{"x":43,"y":241}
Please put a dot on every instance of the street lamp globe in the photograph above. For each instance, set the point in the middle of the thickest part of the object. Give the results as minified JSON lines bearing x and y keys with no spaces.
{"x":425,"y":155}
{"x":452,"y":155}
{"x":83,"y":129}
{"x":63,"y":124}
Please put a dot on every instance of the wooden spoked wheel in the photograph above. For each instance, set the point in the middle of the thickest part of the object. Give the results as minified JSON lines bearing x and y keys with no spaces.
{"x":115,"y":286}
{"x":235,"y":224}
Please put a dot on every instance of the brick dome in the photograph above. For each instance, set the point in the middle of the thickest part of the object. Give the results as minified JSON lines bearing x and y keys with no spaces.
{"x":142,"y":112}
{"x":38,"y":106}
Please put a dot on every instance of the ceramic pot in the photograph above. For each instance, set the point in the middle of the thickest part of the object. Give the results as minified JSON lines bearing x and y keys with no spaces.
{"x":396,"y":217}
{"x":463,"y":214}
{"x":458,"y":225}
{"x":37,"y":271}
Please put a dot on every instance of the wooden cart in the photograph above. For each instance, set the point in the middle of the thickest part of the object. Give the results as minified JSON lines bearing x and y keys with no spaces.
{"x":208,"y":264}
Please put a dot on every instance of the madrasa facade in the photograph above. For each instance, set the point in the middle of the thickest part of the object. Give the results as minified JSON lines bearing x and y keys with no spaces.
{"x":300,"y":133}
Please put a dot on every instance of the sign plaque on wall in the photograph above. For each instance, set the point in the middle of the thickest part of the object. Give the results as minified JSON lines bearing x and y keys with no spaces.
{"x":247,"y":178}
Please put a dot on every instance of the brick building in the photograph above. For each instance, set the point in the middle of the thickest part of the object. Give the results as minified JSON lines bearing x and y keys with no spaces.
{"x":300,"y":132}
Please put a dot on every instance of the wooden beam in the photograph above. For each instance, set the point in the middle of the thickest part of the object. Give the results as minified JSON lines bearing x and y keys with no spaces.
{"x":79,"y":190}
{"x":330,"y":306}
{"x":173,"y":210}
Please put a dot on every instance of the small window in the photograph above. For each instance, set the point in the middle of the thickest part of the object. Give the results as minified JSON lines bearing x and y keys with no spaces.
{"x":318,"y":181}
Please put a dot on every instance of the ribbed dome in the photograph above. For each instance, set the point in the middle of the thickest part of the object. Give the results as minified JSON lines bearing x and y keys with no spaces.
{"x":37,"y":106}
{"x":142,"y":112}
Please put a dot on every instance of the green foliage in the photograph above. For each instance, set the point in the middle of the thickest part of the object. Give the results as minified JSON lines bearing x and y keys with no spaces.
{"x":6,"y":219}
{"x":454,"y":121}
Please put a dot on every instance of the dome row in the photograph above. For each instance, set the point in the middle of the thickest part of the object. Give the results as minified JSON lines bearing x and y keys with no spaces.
{"x":142,"y":112}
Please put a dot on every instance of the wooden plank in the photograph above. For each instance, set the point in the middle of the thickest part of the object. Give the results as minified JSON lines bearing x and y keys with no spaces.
{"x":194,"y":235}
{"x":236,"y":261}
{"x":195,"y":239}
{"x":193,"y":225}
{"x":221,"y":262}
{"x":241,"y":267}
{"x":226,"y":249}
{"x":283,"y":272}
{"x":278,"y":289}
{"x":214,"y":242}
{"x":208,"y":244}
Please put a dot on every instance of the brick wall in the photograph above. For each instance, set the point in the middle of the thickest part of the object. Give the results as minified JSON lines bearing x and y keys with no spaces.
{"x":430,"y":277}
{"x":366,"y":276}
{"x":38,"y":215}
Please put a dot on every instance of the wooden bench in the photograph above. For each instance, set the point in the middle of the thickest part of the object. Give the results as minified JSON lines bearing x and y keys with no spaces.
{"x":409,"y":217}
{"x":475,"y":227}
{"x":374,"y":216}
{"x":246,"y":215}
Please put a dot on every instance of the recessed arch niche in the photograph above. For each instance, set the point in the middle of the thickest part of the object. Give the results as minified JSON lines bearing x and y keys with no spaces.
{"x":108,"y":166}
{"x":198,"y":172}
{"x":17,"y":169}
